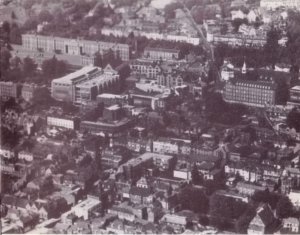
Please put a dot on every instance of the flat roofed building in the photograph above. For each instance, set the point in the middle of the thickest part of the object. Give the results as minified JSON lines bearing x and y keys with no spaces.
{"x":86,"y":207}
{"x":111,"y":99}
{"x":84,"y":85}
{"x":73,"y":46}
{"x":161,"y":53}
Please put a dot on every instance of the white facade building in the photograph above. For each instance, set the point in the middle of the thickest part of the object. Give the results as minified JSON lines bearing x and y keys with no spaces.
{"x":26,"y":156}
{"x":68,"y":123}
{"x":273,"y":4}
{"x":294,"y":196}
{"x":84,"y":85}
{"x":86,"y":207}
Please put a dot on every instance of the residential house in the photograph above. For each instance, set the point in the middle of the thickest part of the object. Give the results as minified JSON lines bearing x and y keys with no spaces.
{"x":248,"y":189}
{"x":171,"y":146}
{"x":27,"y":222}
{"x":239,"y":14}
{"x":253,"y":16}
{"x":139,"y":145}
{"x":7,"y":152}
{"x":264,"y":221}
{"x":146,"y":68}
{"x":249,"y":172}
{"x":294,"y":196}
{"x":27,"y":156}
{"x":290,"y":226}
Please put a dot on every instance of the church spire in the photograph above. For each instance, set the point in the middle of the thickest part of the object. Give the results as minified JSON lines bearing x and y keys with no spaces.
{"x":244,"y":69}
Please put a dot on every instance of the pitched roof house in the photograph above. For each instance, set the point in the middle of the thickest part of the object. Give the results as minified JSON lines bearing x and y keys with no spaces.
{"x":264,"y":222}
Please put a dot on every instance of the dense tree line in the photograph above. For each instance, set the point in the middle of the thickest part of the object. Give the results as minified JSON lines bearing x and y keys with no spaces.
{"x":53,"y":68}
{"x":217,"y":110}
{"x":193,"y":199}
{"x":224,"y":211}
{"x":293,"y":119}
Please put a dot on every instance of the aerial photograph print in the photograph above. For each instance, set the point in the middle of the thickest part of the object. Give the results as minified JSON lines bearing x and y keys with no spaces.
{"x":150,"y":117}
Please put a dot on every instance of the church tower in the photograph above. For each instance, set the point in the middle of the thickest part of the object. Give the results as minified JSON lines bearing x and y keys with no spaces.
{"x":244,"y":69}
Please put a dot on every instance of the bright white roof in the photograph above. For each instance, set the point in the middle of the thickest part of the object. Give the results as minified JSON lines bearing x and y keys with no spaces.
{"x":85,"y":71}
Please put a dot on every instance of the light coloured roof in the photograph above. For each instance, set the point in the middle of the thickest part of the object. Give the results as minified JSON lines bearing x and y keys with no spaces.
{"x":87,"y":204}
{"x":113,"y":107}
{"x":110,"y":96}
{"x":297,"y":88}
{"x":72,"y":77}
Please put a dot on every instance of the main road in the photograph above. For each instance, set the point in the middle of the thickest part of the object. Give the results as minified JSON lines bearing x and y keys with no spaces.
{"x":206,"y":44}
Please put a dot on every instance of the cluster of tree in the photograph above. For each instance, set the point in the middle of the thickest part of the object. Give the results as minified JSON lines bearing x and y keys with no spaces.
{"x":194,"y":199}
{"x":236,"y":23}
{"x":224,"y":210}
{"x":244,"y":220}
{"x":200,"y":10}
{"x":123,"y":3}
{"x":72,"y":21}
{"x":109,"y":57}
{"x":217,"y":110}
{"x":53,"y":68}
{"x":253,"y":56}
{"x":184,"y":48}
{"x":42,"y":98}
{"x":281,"y":203}
{"x":17,"y":69}
{"x":293,"y":34}
{"x":203,"y":12}
{"x":293,"y":119}
{"x":170,"y":9}
{"x":124,"y":72}
{"x":10,"y":33}
{"x":9,"y":137}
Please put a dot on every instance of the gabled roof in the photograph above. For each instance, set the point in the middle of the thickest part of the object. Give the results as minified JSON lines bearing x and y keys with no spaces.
{"x":266,"y":215}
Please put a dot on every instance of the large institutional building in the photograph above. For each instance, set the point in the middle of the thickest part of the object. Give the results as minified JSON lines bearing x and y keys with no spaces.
{"x":73,"y":46}
{"x":84,"y":85}
{"x":251,"y":93}
{"x":242,"y":90}
{"x":272,"y":4}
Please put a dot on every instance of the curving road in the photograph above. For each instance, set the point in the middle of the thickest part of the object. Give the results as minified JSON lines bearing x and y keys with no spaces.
{"x":206,"y":44}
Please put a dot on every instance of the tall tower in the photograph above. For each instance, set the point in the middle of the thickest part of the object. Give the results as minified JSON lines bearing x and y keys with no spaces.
{"x":244,"y":69}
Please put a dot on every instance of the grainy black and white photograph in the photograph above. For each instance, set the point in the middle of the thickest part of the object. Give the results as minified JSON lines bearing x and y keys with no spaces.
{"x":150,"y":117}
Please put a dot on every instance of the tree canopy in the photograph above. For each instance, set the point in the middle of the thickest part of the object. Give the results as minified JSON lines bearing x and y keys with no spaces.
{"x":193,"y":199}
{"x":284,"y":207}
{"x":224,"y":209}
{"x":293,"y":119}
{"x":53,"y":68}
